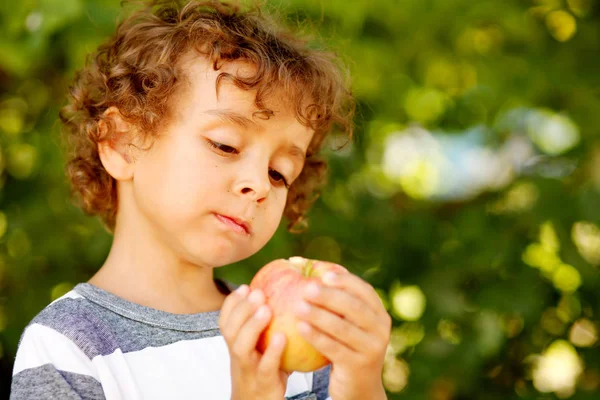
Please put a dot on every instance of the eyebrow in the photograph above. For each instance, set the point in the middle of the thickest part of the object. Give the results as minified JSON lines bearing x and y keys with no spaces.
{"x":245,"y":122}
{"x":232,"y":117}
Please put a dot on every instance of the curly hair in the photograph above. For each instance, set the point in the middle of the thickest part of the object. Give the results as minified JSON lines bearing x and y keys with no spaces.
{"x":137,"y":71}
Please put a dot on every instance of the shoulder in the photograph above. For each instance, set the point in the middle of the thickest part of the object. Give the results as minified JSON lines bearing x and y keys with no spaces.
{"x":53,"y":359}
{"x":57,"y":339}
{"x":74,"y":318}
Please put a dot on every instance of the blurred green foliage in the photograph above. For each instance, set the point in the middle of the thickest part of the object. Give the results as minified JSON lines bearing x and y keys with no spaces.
{"x":470,"y":197}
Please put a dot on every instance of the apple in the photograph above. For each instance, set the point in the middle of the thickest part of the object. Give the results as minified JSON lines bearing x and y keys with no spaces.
{"x":283,"y":282}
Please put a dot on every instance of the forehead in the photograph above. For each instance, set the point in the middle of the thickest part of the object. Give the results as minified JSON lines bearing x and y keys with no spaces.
{"x":223,"y":100}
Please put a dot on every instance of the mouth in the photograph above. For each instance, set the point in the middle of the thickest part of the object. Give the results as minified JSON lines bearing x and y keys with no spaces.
{"x":237,"y":224}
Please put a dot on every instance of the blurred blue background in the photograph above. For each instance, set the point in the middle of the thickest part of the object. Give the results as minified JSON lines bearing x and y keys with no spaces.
{"x":469,"y":197}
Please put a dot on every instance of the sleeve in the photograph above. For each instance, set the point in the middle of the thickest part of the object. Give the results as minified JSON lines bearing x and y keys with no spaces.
{"x":49,"y":365}
{"x":320,"y":384}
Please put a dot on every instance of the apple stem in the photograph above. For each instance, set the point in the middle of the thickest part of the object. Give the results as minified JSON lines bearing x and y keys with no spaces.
{"x":308,"y":269}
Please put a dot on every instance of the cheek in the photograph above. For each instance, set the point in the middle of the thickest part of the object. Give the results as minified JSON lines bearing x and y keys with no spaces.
{"x":176,"y":187}
{"x":272,"y":217}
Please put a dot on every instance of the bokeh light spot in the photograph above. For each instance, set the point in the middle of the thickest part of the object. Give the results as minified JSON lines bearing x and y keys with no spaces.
{"x":548,"y":237}
{"x":554,"y":134}
{"x":537,"y":256}
{"x":586,"y":237}
{"x":395,"y":374}
{"x":561,"y":25}
{"x":408,"y":302}
{"x":520,"y":198}
{"x":21,"y":160}
{"x":583,"y":333}
{"x":566,"y":278}
{"x":18,"y":244}
{"x":407,"y":335}
{"x":11,"y":121}
{"x":557,"y":369}
{"x":425,"y":104}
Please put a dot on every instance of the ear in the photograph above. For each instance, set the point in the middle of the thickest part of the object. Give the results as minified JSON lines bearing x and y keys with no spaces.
{"x":114,"y":149}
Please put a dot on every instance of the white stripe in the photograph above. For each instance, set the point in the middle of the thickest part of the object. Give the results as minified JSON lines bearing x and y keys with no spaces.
{"x":186,"y":369}
{"x":116,"y":377}
{"x":182,"y":370}
{"x":42,"y":345}
{"x":69,"y":295}
{"x":308,"y":377}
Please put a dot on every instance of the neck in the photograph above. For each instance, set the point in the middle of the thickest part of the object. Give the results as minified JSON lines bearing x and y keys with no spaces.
{"x":141,"y":269}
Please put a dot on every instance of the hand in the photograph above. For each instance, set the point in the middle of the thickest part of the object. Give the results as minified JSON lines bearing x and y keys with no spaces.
{"x":346,"y":321}
{"x":253,"y":375}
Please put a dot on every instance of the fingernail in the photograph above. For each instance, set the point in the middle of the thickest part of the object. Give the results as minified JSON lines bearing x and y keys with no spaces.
{"x":312,"y":290}
{"x":342,"y":267}
{"x":262,"y":312}
{"x":256,"y":297}
{"x":330,"y":277}
{"x":242,"y":290}
{"x":302,"y":308}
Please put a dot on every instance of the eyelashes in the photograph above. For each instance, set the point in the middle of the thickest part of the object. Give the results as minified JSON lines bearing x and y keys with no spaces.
{"x":277,"y":176}
{"x":222,"y":147}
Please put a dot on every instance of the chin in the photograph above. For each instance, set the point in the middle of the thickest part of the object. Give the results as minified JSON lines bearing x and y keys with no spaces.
{"x":218,"y":255}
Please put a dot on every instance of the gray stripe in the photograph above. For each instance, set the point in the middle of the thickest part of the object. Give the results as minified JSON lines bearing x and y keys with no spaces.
{"x":147,"y":315}
{"x":82,"y":322}
{"x":46,"y":382}
{"x":99,"y":323}
{"x":321,"y":382}
{"x":303,"y":396}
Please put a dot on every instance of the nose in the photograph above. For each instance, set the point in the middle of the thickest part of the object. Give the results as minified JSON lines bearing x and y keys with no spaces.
{"x":254,"y":186}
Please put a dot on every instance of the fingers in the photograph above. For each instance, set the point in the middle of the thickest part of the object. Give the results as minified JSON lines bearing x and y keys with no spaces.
{"x":356,"y":287}
{"x":342,"y":303}
{"x":355,"y":301}
{"x":247,"y":337}
{"x":333,"y":325}
{"x":332,"y":349}
{"x":232,"y":300}
{"x":271,"y":359}
{"x":244,"y":318}
{"x":237,"y":309}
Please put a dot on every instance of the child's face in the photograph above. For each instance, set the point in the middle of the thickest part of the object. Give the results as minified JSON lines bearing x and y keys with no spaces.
{"x":182,"y":182}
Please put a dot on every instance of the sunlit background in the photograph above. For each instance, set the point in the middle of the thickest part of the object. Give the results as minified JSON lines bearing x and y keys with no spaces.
{"x":470,"y":196}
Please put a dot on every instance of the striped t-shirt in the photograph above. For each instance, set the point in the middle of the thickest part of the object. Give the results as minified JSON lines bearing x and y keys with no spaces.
{"x":91,"y":344}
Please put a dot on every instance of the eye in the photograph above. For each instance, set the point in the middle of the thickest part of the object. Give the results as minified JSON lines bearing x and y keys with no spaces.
{"x":222,"y":147}
{"x":277,"y":177}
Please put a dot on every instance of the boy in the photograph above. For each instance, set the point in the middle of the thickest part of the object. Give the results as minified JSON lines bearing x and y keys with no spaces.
{"x":193,"y":131}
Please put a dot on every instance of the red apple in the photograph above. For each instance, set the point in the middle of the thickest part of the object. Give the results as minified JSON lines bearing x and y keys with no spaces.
{"x":283,"y":282}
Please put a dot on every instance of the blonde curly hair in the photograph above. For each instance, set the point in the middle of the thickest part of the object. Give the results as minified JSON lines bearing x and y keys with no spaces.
{"x":137,"y":71}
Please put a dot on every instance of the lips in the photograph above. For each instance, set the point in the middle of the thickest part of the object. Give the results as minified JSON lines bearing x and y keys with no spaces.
{"x":235,"y":222}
